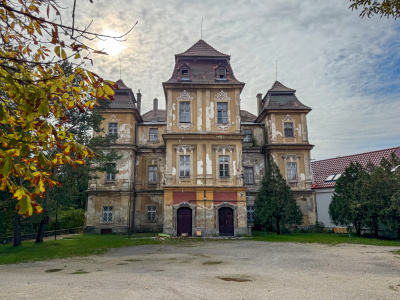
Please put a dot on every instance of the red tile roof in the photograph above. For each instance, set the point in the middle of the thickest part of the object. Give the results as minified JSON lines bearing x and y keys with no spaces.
{"x":323,"y":168}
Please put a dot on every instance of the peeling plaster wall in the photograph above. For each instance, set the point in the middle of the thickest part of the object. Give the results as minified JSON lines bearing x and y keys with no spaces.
{"x":144,"y":135}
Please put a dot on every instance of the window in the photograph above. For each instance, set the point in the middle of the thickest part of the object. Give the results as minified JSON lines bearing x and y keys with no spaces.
{"x":288,"y":126}
{"x":248,"y":175}
{"x":221,"y":73}
{"x":112,"y":128}
{"x":251,"y":214}
{"x":222,"y":112}
{"x":151,"y":213}
{"x":110,"y":175}
{"x":107,"y":214}
{"x":223,"y":166}
{"x":152,"y":174}
{"x":292,"y":171}
{"x":248,"y":136}
{"x":184,"y":166}
{"x":153,"y":135}
{"x":333,"y":177}
{"x":184,"y":73}
{"x":184,"y":112}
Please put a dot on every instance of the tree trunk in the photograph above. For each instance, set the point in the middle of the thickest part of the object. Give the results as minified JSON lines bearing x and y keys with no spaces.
{"x":42,"y":228}
{"x":278,"y":229}
{"x":17,"y":230}
{"x":358,"y":229}
{"x":376,"y":231}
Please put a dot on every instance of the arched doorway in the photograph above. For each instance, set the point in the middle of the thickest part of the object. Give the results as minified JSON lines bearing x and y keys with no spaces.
{"x":226,"y":221}
{"x":184,"y":221}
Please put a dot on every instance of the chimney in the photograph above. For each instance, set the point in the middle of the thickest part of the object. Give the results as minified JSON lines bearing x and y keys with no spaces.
{"x":138,"y":100}
{"x":155,"y":110}
{"x":259,"y":102}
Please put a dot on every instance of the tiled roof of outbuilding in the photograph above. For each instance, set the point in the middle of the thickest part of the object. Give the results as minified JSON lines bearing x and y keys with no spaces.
{"x":246,"y":116}
{"x":323,"y":168}
{"x":161,"y":116}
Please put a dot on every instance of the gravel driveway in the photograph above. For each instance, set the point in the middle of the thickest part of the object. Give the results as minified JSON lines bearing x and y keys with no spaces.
{"x":234,"y":269}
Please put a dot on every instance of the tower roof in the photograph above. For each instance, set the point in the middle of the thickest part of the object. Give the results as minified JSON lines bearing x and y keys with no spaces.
{"x":202,"y":49}
{"x":279,"y":87}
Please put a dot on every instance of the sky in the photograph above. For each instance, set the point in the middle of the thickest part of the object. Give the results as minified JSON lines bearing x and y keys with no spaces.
{"x":347,"y":69}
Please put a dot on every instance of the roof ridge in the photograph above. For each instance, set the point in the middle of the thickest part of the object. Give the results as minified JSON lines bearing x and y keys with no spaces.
{"x":191,"y":51}
{"x":356,"y":154}
{"x":278,"y":83}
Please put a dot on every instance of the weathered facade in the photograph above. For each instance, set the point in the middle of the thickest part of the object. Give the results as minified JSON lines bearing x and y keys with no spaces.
{"x":196,"y":167}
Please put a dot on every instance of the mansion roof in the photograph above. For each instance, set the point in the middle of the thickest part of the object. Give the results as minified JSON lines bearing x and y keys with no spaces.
{"x":282,"y":97}
{"x":322,"y":169}
{"x":124,"y":97}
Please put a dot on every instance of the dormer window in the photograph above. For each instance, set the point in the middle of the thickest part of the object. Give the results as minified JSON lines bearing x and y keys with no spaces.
{"x":220,"y":73}
{"x":184,"y":73}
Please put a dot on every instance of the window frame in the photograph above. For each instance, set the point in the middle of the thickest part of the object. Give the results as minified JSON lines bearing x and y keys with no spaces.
{"x":220,"y":71}
{"x":110,"y":177}
{"x":290,"y":172}
{"x":184,"y":76}
{"x":289,"y":131}
{"x":153,"y":137}
{"x":222,"y":110}
{"x":105,"y":216}
{"x":251,"y":211}
{"x":223,"y":166}
{"x":152,"y":174}
{"x":151,"y":213}
{"x":249,"y":176}
{"x":184,"y":166}
{"x":248,"y":136}
{"x":184,"y":112}
{"x":112,"y":128}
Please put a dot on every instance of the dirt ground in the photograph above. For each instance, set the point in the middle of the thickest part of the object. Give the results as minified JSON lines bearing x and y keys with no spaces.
{"x":212,"y":270}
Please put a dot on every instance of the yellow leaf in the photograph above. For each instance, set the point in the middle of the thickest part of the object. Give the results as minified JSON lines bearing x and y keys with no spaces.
{"x":24,"y":206}
{"x":41,"y":186}
{"x":109,"y":91}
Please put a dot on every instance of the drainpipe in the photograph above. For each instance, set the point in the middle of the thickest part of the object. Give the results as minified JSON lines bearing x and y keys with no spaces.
{"x":134,"y":180}
{"x":265,"y":151}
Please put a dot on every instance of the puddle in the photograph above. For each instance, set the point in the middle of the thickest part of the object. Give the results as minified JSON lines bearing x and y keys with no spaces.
{"x":234,"y":279}
{"x":121,"y":264}
{"x":201,"y":255}
{"x":53,"y":270}
{"x":81,"y":271}
{"x":133,"y":260}
{"x":212,"y":262}
{"x":159,"y":270}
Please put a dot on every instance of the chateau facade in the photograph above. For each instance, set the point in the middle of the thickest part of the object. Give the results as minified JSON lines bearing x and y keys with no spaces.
{"x":195,"y":168}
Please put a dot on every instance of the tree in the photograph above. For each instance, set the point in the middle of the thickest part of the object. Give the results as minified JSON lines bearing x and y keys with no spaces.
{"x":275,"y":204}
{"x":346,"y":207}
{"x":384,"y":8}
{"x":392,"y":213}
{"x":37,"y":94}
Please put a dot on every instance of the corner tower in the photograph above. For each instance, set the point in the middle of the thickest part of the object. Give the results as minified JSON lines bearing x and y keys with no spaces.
{"x":284,"y":117}
{"x":204,"y":188}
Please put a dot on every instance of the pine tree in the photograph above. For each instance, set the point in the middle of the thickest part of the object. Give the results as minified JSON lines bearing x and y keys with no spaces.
{"x":275,"y":203}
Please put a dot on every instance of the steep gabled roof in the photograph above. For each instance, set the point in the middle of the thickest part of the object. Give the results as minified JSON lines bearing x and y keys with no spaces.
{"x":282,"y":97}
{"x":201,"y":48}
{"x":124,"y":97}
{"x":323,"y":168}
{"x":246,"y":116}
{"x":279,"y":87}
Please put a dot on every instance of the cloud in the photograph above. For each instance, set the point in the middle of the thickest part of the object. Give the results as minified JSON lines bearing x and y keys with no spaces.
{"x":344,"y":67}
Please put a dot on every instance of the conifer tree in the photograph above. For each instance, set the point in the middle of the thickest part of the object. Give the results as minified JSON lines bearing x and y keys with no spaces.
{"x":275,"y":203}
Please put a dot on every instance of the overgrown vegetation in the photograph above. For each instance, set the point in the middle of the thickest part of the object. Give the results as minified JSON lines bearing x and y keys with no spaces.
{"x":275,"y":205}
{"x":368,"y":197}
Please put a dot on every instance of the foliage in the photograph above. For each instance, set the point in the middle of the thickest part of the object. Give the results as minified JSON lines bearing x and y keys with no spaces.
{"x":365,"y":197}
{"x":345,"y":208}
{"x":383,"y":8}
{"x":35,"y":96}
{"x":67,"y":219}
{"x":275,"y":204}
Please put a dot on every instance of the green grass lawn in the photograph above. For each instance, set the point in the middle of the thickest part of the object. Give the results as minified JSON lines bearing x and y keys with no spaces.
{"x":77,"y":245}
{"x":88,"y":244}
{"x":321,"y":238}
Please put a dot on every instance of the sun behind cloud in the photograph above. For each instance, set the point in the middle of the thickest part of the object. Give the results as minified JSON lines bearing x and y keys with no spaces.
{"x":110,"y":45}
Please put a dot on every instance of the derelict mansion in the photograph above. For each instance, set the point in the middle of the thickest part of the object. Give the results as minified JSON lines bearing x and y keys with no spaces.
{"x":196,"y":167}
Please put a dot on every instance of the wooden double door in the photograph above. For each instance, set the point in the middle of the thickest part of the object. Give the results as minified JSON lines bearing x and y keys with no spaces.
{"x":226,"y":221}
{"x":184,"y":221}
